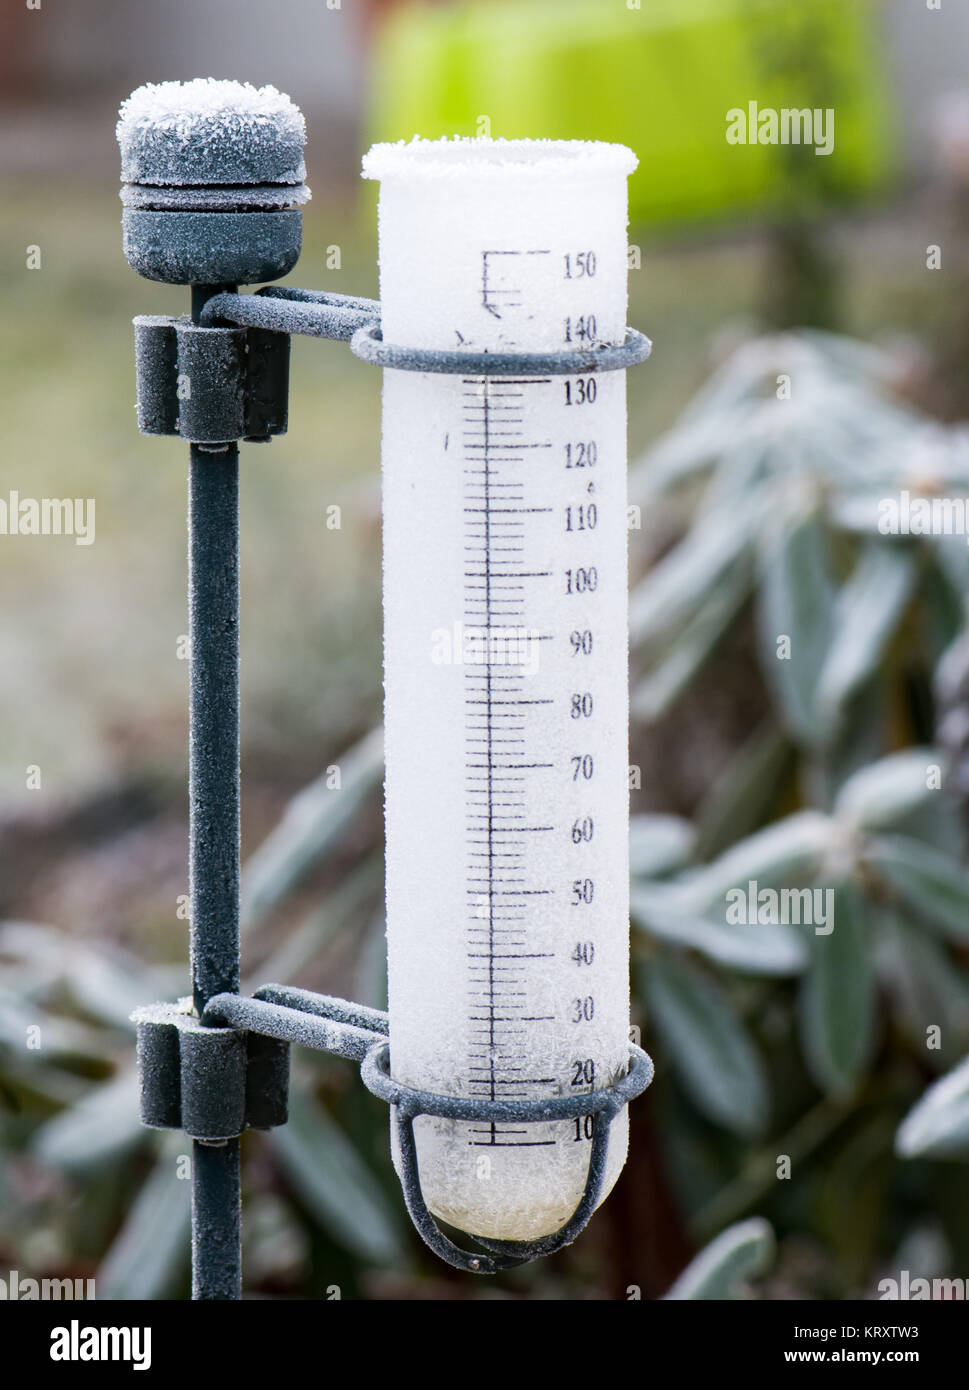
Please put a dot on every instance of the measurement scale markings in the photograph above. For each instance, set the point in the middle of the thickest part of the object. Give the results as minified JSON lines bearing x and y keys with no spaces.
{"x":489,"y":292}
{"x":509,"y":380}
{"x":495,"y":574}
{"x":491,"y":866}
{"x":495,"y":509}
{"x":510,"y":511}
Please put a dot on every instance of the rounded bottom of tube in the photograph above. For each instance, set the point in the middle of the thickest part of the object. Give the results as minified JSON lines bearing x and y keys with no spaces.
{"x":498,"y":1187}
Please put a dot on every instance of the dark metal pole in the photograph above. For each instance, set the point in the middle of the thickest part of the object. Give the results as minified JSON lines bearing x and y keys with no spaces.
{"x":213,"y":591}
{"x":213,"y":507}
{"x":197,"y":142}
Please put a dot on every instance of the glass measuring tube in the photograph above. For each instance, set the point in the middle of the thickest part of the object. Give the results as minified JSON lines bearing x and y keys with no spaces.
{"x":505,"y":662}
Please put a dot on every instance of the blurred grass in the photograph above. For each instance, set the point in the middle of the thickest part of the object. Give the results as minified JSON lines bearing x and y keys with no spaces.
{"x":83,"y":625}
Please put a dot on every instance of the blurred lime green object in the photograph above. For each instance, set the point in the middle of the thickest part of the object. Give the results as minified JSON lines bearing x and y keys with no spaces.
{"x":660,"y":76}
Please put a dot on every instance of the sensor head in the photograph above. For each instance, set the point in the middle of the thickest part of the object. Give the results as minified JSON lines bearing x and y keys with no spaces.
{"x":212,"y":182}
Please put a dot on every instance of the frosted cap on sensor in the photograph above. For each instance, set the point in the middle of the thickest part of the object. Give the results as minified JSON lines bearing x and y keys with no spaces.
{"x":209,"y":132}
{"x":212,"y":177}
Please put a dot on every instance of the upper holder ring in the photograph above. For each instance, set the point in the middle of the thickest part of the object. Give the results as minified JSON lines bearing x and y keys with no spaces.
{"x":368,"y":344}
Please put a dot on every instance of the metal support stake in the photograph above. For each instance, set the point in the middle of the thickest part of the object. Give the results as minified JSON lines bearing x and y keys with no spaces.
{"x":212,"y":182}
{"x":213,"y":588}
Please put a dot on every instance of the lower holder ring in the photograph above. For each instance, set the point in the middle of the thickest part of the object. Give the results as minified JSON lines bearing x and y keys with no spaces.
{"x":408,"y":1103}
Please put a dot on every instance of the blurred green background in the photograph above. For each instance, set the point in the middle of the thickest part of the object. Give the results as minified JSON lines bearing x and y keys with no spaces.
{"x":758,"y":518}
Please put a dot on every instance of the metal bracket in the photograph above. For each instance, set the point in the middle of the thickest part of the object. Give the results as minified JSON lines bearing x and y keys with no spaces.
{"x":320,"y":314}
{"x":226,"y":377}
{"x":228,"y":1070}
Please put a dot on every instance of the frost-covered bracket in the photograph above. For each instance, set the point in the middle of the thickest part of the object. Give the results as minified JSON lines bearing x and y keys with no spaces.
{"x":212,"y":183}
{"x":225,"y":1072}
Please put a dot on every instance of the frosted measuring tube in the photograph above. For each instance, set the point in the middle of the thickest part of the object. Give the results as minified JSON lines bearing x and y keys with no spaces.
{"x":505,"y":662}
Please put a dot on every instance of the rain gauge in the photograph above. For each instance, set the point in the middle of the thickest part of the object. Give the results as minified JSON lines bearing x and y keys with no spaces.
{"x":505,"y":1056}
{"x":504,"y":504}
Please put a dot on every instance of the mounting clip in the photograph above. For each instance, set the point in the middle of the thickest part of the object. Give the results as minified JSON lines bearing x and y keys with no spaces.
{"x":213,"y":1083}
{"x":210,"y":385}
